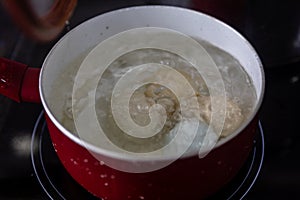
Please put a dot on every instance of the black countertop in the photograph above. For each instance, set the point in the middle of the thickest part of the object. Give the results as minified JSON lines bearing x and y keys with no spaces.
{"x":280,"y":175}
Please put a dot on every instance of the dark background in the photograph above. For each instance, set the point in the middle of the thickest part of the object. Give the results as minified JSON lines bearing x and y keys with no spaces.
{"x":272,"y":26}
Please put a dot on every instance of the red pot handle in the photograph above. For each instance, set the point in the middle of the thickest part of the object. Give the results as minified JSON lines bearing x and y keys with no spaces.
{"x":18,"y":81}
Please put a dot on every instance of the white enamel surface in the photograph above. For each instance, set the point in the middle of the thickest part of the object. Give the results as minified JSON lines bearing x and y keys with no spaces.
{"x":87,"y":35}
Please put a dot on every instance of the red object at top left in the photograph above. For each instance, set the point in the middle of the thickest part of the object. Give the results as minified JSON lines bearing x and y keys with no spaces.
{"x":40,"y":28}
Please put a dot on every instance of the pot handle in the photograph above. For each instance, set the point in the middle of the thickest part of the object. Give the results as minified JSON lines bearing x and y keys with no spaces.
{"x":41,"y":28}
{"x":18,"y":81}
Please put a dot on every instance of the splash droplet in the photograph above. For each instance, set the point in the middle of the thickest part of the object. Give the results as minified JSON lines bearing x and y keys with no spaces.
{"x":3,"y":83}
{"x":103,"y":175}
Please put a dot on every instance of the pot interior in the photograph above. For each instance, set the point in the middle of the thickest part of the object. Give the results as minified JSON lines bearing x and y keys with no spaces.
{"x":75,"y":45}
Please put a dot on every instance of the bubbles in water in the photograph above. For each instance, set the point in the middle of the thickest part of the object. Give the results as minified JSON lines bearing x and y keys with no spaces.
{"x":239,"y":89}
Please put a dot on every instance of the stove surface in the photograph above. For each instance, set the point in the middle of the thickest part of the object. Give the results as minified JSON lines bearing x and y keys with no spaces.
{"x":279,"y":115}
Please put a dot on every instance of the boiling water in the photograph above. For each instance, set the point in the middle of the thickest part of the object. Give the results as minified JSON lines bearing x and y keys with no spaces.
{"x":240,"y":94}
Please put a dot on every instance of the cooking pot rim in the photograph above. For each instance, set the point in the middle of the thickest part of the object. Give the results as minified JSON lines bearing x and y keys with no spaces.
{"x":121,"y":156}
